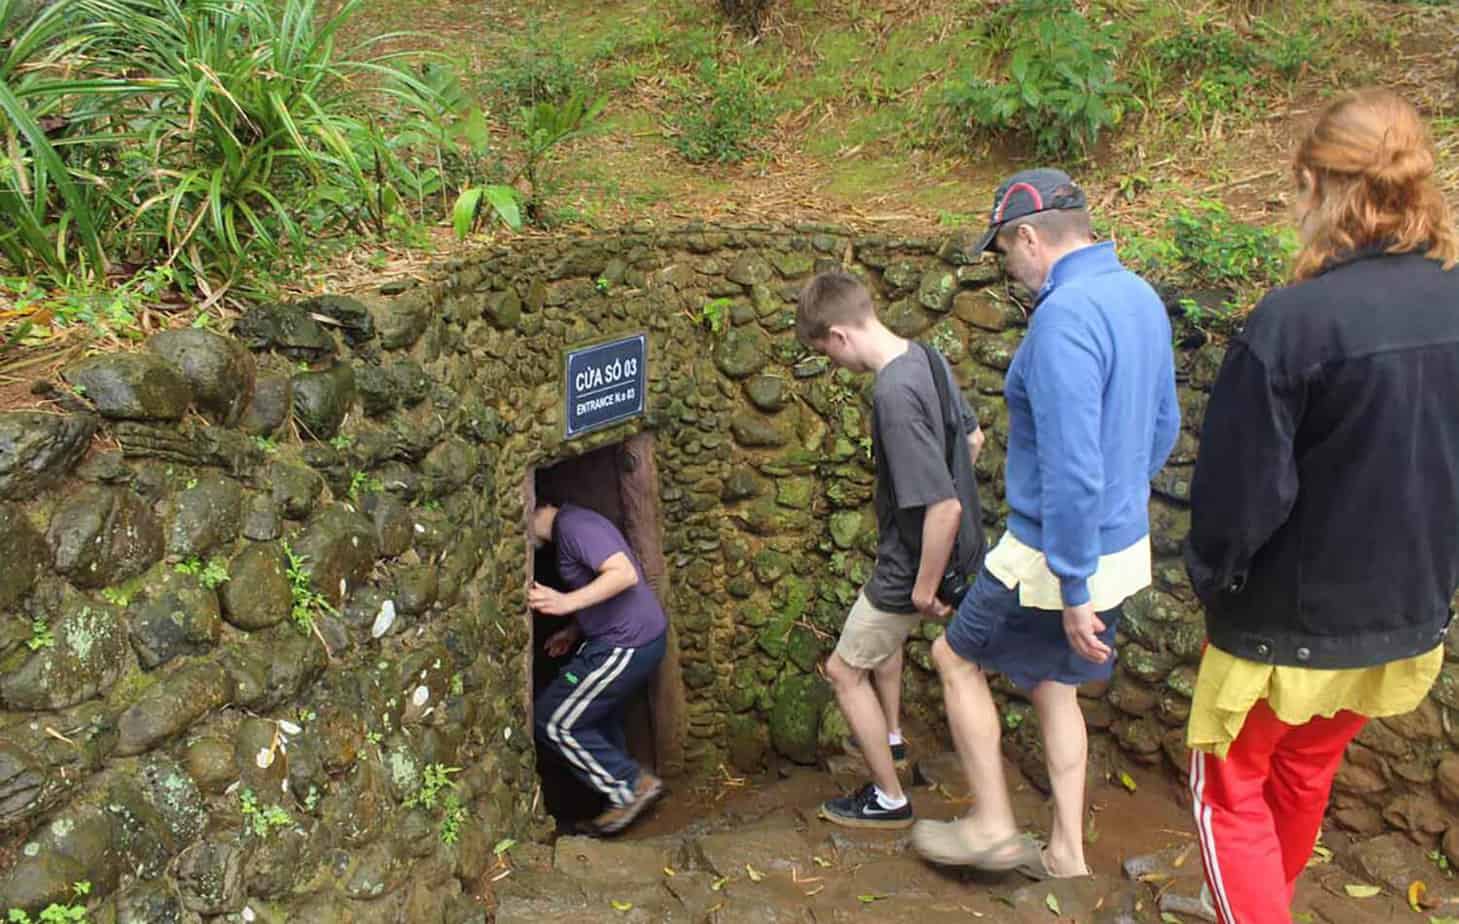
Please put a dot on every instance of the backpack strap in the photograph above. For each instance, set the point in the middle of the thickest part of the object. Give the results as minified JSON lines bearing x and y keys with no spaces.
{"x":939,"y":380}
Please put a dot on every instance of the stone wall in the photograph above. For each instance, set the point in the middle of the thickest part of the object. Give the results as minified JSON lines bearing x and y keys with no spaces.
{"x":356,"y":470}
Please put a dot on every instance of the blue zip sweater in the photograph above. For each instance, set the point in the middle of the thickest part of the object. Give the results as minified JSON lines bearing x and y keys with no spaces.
{"x":1092,"y":415}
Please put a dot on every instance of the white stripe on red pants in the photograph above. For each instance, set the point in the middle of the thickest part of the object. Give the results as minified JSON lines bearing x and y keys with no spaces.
{"x":1259,"y":811}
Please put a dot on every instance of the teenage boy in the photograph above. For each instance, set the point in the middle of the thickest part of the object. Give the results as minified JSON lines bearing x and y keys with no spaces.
{"x":926,"y":509}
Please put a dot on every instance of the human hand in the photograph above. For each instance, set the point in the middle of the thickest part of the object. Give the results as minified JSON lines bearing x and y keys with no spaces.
{"x":562,"y":641}
{"x":547,"y":601}
{"x":929,"y":606}
{"x":1082,"y":626}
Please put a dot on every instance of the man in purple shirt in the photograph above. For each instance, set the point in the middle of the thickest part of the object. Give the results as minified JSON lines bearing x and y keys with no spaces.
{"x":622,"y":629}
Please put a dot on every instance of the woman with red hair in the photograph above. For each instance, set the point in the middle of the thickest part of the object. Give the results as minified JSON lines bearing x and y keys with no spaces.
{"x":1324,"y":538}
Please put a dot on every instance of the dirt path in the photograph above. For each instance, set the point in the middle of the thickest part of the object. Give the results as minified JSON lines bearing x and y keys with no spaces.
{"x":753,"y":851}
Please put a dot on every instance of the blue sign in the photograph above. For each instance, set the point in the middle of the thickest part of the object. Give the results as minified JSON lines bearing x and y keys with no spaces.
{"x":605,"y":384}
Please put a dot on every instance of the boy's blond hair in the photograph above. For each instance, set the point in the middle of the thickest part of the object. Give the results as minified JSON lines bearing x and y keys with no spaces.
{"x":833,"y":297}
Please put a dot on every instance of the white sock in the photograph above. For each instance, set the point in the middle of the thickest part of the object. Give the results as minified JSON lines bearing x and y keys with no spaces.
{"x":895,"y":737}
{"x":887,"y":802}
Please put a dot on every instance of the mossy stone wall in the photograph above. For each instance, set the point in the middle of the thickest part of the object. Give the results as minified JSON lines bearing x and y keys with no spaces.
{"x":365,"y":460}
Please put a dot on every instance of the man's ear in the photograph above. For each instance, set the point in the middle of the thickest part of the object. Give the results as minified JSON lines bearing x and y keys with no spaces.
{"x":1027,"y":235}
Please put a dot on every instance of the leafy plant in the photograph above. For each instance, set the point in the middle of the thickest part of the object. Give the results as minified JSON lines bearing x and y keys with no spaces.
{"x":341,"y":441}
{"x":212,"y":135}
{"x":1061,"y":92}
{"x":261,"y":820}
{"x":502,"y":198}
{"x":545,"y":126}
{"x":434,"y":779}
{"x":212,"y":574}
{"x":40,"y":636}
{"x":308,"y":602}
{"x":714,"y":314}
{"x":720,"y":115}
{"x":1438,"y":858}
{"x":451,"y":819}
{"x":363,"y":482}
{"x":1214,"y":248}
{"x":1194,"y":50}
{"x":536,"y":69}
{"x":436,"y":787}
{"x":55,"y":913}
{"x":116,"y":596}
{"x":266,"y":445}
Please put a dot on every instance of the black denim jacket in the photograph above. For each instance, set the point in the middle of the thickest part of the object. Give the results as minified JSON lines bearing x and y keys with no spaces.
{"x":1325,"y":501}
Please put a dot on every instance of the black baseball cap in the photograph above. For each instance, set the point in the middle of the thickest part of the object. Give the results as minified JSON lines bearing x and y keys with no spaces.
{"x":1043,"y":189}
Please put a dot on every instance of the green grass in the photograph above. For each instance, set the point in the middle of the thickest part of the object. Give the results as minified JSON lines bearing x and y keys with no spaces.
{"x":852,"y":87}
{"x":855,"y":179}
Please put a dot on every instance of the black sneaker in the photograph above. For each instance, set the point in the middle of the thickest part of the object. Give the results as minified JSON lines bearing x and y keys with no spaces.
{"x":862,"y":809}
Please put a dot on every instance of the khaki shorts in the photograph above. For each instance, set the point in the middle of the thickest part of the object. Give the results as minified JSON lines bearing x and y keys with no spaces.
{"x":870,"y":635}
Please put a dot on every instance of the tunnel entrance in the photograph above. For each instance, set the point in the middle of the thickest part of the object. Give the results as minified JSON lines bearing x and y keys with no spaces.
{"x":620,"y":482}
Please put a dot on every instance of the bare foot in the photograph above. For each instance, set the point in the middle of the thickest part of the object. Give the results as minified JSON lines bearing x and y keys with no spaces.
{"x":1060,"y":865}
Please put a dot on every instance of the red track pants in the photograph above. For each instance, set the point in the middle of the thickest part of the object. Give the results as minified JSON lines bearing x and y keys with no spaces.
{"x":1259,"y":811}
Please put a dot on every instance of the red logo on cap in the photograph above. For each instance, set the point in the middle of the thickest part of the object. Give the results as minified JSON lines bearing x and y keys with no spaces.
{"x":1038,"y":201}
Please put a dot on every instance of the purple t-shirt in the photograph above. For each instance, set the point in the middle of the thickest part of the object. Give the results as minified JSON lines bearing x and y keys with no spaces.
{"x":585,"y":540}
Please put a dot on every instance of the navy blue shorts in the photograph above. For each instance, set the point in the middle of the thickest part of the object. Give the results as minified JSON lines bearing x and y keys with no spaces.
{"x":1026,"y":645}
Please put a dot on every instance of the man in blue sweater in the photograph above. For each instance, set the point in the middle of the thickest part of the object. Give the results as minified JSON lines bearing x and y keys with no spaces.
{"x":1092,"y":418}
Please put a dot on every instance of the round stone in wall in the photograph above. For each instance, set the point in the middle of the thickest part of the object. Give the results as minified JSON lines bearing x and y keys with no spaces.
{"x":131,"y":386}
{"x":218,"y":369}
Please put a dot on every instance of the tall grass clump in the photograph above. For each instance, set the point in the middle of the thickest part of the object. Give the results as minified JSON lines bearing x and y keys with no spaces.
{"x":214,"y":136}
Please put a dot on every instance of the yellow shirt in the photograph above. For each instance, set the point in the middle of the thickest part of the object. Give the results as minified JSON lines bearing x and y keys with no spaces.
{"x":1117,"y":576}
{"x":1227,"y":687}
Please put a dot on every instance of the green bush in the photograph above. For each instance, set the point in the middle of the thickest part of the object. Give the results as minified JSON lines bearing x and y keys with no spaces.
{"x":721,"y":113}
{"x":1213,"y":248}
{"x":535,"y":69}
{"x":1061,"y":91}
{"x":212,"y":135}
{"x":1205,"y":248}
{"x":1223,"y":70}
{"x":1193,"y":50}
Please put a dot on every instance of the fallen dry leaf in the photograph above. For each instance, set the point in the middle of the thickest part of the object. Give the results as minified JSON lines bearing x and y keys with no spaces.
{"x":1416,"y":894}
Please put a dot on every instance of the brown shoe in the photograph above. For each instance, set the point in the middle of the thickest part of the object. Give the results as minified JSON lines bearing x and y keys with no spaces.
{"x":618,"y":817}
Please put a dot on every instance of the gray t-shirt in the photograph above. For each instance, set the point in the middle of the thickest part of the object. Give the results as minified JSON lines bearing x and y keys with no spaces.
{"x":912,"y":474}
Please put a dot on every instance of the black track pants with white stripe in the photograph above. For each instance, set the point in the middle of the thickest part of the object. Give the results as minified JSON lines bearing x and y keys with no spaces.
{"x":580,"y":715}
